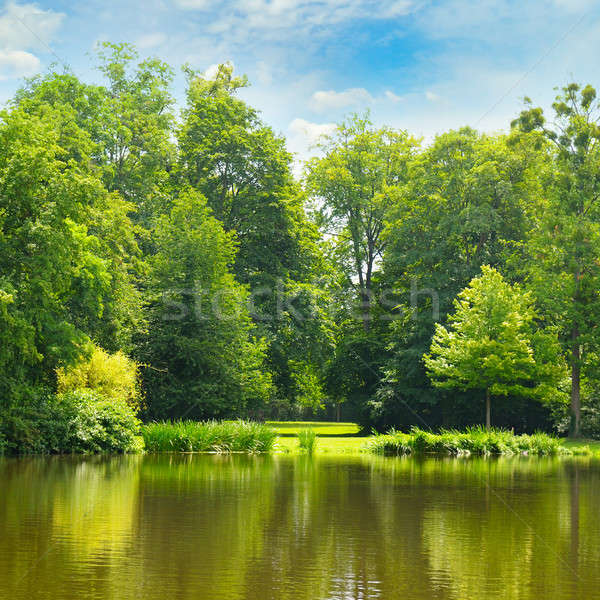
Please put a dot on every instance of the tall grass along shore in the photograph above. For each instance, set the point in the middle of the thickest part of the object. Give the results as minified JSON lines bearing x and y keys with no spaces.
{"x":209,"y":436}
{"x":475,"y":441}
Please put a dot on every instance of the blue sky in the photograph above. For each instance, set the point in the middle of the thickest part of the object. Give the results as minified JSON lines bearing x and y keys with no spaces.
{"x":425,"y":66}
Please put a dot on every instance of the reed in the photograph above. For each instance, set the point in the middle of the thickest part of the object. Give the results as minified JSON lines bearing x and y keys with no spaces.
{"x":307,"y":439}
{"x":473,"y":441}
{"x":208,"y":436}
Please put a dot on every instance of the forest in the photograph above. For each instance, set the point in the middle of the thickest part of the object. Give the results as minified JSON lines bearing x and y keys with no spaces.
{"x":168,"y":262}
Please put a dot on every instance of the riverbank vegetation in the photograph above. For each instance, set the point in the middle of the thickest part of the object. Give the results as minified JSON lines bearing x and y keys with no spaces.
{"x":476,"y":441}
{"x":209,"y":436}
{"x":164,"y":265}
{"x":307,"y":440}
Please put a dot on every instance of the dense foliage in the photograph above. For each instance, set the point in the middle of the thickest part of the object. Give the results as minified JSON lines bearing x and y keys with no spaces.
{"x":172,"y":263}
{"x":492,"y":344}
{"x":80,"y":421}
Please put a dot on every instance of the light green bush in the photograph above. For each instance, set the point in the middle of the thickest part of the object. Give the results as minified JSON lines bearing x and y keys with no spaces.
{"x":114,"y":376}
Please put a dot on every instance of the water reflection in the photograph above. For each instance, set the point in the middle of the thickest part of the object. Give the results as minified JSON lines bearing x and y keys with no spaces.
{"x":203,"y":527}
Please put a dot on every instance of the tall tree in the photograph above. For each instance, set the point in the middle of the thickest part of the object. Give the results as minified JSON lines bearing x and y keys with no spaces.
{"x":244,"y":171}
{"x":128,"y":122}
{"x":59,"y":274}
{"x":565,"y":244}
{"x":492,"y":344}
{"x":355,"y":184}
{"x":203,"y":358}
{"x":78,"y":114}
{"x":469,"y":201}
{"x":135,"y":139}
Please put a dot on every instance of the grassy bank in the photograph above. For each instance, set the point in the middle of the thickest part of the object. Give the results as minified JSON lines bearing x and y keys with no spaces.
{"x":209,"y":436}
{"x":321,"y":428}
{"x":343,"y":438}
{"x":332,"y":438}
{"x":474,"y":441}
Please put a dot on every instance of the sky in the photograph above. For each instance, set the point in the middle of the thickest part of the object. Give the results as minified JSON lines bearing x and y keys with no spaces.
{"x":424,"y":66}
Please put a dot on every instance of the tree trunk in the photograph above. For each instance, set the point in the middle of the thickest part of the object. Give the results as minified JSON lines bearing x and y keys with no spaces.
{"x":488,"y":410}
{"x":575,"y":424}
{"x":338,"y":412}
{"x":366,"y":309}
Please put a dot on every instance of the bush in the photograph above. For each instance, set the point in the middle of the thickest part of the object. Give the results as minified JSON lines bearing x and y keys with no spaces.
{"x":209,"y":436}
{"x":93,"y":423}
{"x":114,"y":376}
{"x":307,"y":438}
{"x":81,"y":421}
{"x":475,"y":441}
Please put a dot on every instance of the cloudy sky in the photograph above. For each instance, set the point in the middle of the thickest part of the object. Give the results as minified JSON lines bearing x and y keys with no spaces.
{"x":420,"y":65}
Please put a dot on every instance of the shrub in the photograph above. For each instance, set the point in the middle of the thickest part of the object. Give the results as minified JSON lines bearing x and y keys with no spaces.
{"x":93,"y":423}
{"x":307,"y":438}
{"x":114,"y":376}
{"x":81,"y":421}
{"x":208,"y":436}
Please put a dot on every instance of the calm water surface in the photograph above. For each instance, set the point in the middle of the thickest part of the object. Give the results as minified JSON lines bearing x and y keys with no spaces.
{"x":204,"y":527}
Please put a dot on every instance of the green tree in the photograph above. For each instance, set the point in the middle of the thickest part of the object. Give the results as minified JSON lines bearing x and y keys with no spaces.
{"x":564,"y":246}
{"x":125,"y":125}
{"x":135,"y":139}
{"x":244,"y":171}
{"x":355,"y":184}
{"x":202,"y":357}
{"x":120,"y":132}
{"x":56,"y":270}
{"x":492,"y":344}
{"x":469,"y":200}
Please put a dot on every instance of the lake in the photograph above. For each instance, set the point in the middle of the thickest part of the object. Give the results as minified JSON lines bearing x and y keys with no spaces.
{"x":242,"y":527}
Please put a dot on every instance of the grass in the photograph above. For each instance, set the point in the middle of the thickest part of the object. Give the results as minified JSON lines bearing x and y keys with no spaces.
{"x":474,"y":441}
{"x":332,"y":438}
{"x":307,"y":440}
{"x":322,"y":429}
{"x":581,"y":447}
{"x":209,"y":436}
{"x":342,"y":438}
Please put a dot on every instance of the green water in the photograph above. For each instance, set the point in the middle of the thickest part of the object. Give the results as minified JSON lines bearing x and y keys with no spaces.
{"x":210,"y":527}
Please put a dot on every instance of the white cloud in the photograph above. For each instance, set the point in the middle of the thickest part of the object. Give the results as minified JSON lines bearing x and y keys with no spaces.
{"x":17,"y":63}
{"x":275,"y":18}
{"x":212,"y":71}
{"x":302,"y":138}
{"x":324,"y":100}
{"x":26,"y":26}
{"x":575,"y":5}
{"x":391,"y":96}
{"x":311,"y":132}
{"x":397,"y":9}
{"x":330,"y":100}
{"x":151,"y":40}
{"x":193,"y":4}
{"x":432,"y":96}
